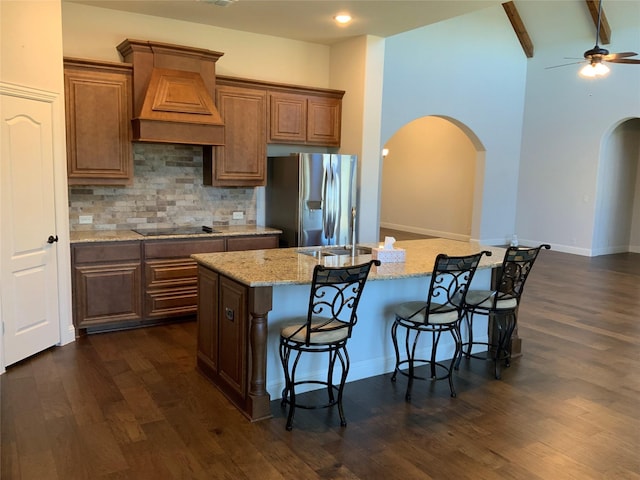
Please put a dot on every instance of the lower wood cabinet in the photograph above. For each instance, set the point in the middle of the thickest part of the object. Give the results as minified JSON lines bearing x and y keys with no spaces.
{"x":232,"y":335}
{"x":127,"y":284}
{"x":171,"y":276}
{"x":107,"y":283}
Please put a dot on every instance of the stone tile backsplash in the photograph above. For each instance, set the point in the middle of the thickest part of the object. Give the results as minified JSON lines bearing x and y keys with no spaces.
{"x":167,"y":191}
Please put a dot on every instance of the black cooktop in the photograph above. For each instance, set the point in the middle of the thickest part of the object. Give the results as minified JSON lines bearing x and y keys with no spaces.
{"x":147,"y":232}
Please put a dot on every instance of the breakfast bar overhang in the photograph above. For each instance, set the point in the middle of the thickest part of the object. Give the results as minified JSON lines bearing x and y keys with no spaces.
{"x":244,"y":299}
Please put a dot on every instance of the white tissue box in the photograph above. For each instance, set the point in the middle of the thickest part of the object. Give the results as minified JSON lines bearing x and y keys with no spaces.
{"x":386,"y":255}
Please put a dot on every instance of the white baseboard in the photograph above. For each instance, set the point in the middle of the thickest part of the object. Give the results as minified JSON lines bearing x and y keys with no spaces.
{"x":426,"y":231}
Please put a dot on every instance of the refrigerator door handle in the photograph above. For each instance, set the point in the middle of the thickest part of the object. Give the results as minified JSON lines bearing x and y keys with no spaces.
{"x":329,"y":200}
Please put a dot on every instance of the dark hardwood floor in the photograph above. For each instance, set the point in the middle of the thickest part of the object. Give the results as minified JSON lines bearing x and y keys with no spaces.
{"x":130,"y":405}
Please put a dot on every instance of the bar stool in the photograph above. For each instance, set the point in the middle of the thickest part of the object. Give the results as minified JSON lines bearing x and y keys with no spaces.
{"x":500,"y":306}
{"x":333,"y":302}
{"x":441,"y":312}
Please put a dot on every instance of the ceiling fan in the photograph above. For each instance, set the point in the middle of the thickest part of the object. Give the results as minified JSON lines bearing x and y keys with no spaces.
{"x":597,"y":55}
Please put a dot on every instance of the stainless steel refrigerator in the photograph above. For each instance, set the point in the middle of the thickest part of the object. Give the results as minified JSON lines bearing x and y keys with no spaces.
{"x":311,"y":197}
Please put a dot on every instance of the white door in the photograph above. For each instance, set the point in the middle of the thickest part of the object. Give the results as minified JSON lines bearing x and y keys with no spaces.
{"x":29,"y":288}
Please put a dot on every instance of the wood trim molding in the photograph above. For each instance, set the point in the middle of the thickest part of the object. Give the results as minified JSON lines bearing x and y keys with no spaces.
{"x":519,"y":28}
{"x":605,"y":29}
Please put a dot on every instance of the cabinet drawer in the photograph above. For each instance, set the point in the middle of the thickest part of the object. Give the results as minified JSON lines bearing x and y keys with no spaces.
{"x":106,"y":252}
{"x":173,"y":302}
{"x":163,"y":273}
{"x":184,"y":248}
{"x":251,"y":243}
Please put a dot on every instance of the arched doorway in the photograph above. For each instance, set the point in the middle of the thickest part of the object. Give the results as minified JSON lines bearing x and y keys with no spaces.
{"x":432,"y":178}
{"x":617,"y":217}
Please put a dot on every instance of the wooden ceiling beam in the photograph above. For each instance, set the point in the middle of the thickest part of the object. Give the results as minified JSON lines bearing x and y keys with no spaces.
{"x":605,"y":30}
{"x":519,"y":28}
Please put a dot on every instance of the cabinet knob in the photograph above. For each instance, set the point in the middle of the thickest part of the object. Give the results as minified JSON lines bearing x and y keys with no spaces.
{"x":229,"y":313}
{"x":52,"y":239}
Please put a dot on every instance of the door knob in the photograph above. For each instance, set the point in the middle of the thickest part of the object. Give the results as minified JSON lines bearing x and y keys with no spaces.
{"x":52,"y":239}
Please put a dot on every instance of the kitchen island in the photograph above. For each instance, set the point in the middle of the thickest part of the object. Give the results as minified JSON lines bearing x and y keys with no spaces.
{"x":244,"y":299}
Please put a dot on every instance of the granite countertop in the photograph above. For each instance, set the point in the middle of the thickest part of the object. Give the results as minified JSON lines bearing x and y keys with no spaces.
{"x":256,"y":268}
{"x":127,"y":235}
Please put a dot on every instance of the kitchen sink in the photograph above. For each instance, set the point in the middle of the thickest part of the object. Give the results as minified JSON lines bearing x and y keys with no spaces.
{"x":333,"y":251}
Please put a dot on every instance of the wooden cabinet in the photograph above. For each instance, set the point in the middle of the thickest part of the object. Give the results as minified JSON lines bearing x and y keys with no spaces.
{"x":107,"y":284}
{"x":207,"y":355}
{"x":98,"y":122}
{"x":171,"y":276}
{"x":232,"y":336}
{"x":223,"y":332}
{"x":126,"y":284}
{"x":305,"y":118}
{"x":287,"y":118}
{"x":242,"y":159}
{"x":256,"y":113}
{"x":252,"y":242}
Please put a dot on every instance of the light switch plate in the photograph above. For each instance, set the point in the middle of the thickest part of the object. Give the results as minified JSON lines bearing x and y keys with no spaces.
{"x":238,"y":215}
{"x":85,"y":219}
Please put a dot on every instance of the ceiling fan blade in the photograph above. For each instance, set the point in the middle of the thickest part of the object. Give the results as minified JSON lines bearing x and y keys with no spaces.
{"x":615,"y":56}
{"x":563,"y":65}
{"x":625,"y":60}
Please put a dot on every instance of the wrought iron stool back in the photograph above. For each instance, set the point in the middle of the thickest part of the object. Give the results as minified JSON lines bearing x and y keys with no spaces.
{"x":500,"y":305}
{"x":331,"y":316}
{"x":441,"y":312}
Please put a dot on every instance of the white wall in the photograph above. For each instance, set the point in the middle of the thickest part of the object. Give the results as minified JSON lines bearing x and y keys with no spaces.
{"x":470,"y":69}
{"x":566,"y":120}
{"x":616,"y":189}
{"x":31,"y":53}
{"x":356,"y":68}
{"x":428,"y":180}
{"x":91,"y":32}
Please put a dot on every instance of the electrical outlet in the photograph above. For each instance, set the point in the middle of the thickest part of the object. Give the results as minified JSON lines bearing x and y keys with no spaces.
{"x":238,"y":215}
{"x":85,"y":219}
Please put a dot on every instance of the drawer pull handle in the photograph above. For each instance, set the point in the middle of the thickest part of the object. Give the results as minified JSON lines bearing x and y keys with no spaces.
{"x":229,"y":313}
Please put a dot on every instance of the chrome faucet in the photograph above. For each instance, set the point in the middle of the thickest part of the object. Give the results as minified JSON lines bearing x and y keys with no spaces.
{"x":353,"y":231}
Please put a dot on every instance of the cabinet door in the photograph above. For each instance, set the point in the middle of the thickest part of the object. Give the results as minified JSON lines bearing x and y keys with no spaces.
{"x":232,"y":331}
{"x":106,"y":284}
{"x":287,"y":118}
{"x":324,"y":116}
{"x":242,"y":160}
{"x":98,"y":122}
{"x":208,"y":282}
{"x":107,"y":294}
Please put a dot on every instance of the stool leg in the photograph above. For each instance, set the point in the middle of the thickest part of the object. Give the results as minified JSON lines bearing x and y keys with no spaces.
{"x":411,"y":354}
{"x":333,"y":354}
{"x":292,"y":392}
{"x":344,"y":360}
{"x":394,"y":337}
{"x":457,"y":338}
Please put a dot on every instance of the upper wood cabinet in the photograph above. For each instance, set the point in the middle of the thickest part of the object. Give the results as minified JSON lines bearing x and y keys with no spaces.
{"x":309,"y":119}
{"x":242,"y":159}
{"x":256,"y":113}
{"x":98,"y":121}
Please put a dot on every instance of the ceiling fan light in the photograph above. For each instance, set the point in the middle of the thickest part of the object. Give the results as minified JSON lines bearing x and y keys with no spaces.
{"x":596,"y":69}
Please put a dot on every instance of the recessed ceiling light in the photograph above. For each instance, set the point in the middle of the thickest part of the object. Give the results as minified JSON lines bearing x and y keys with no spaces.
{"x":342,"y":18}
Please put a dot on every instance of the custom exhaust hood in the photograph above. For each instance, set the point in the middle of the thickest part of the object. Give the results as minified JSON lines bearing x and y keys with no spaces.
{"x":173,"y":88}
